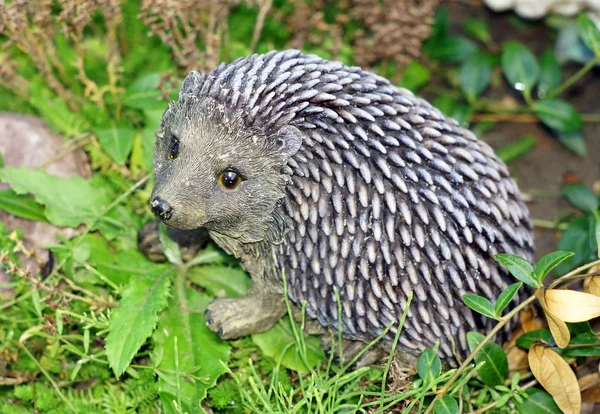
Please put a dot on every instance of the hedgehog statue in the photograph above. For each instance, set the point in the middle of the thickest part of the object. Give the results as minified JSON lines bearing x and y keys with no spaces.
{"x":336,"y":178}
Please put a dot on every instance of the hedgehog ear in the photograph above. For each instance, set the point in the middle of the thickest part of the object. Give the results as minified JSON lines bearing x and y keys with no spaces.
{"x":192,"y":84}
{"x":289,"y":139}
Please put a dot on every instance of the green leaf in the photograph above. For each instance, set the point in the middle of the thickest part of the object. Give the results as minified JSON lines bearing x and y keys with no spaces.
{"x":520,"y":66}
{"x":518,"y":267}
{"x":598,"y":236}
{"x":445,"y":405}
{"x":588,"y":31}
{"x":573,"y":141}
{"x":117,"y":142}
{"x":145,"y":93}
{"x":415,"y":76}
{"x":581,"y":197}
{"x":21,"y":206}
{"x":474,"y":76}
{"x":221,"y":281}
{"x":588,"y":351}
{"x":429,"y":365}
{"x":69,"y":201}
{"x":184,"y":347}
{"x":279,"y":343}
{"x":506,"y":297}
{"x":514,"y":150}
{"x":135,"y":318}
{"x":539,"y":402}
{"x":449,"y":48}
{"x":478,"y":28}
{"x":550,"y":76}
{"x":547,"y":263}
{"x":558,"y":114}
{"x":480,"y":304}
{"x":495,"y":370}
{"x":527,"y":339}
{"x":170,"y":247}
{"x":576,"y":239}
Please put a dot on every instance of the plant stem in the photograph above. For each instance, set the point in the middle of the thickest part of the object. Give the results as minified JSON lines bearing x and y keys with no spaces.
{"x":574,"y":78}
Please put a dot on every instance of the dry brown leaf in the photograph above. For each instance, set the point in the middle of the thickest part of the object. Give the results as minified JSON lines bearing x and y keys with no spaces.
{"x":590,"y":388}
{"x":556,"y":376}
{"x":558,"y":328}
{"x":592,"y":285}
{"x":572,"y":306}
{"x":531,"y":320}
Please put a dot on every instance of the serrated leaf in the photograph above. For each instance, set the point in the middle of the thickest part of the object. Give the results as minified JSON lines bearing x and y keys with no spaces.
{"x":480,"y":305}
{"x":429,"y":365}
{"x":495,"y":369}
{"x":21,"y":206}
{"x":572,"y":306}
{"x":280,"y":339}
{"x":144,"y":93}
{"x":588,"y":31}
{"x":69,"y":201}
{"x":506,"y":297}
{"x":556,"y":376}
{"x":117,"y":142}
{"x":558,"y":115}
{"x":547,"y":263}
{"x":183,"y":326}
{"x":135,"y":318}
{"x":221,"y":281}
{"x":445,"y":405}
{"x":520,"y":66}
{"x":539,"y":402}
{"x":514,"y":150}
{"x":170,"y":247}
{"x":518,"y":267}
{"x":550,"y":76}
{"x":474,"y":76}
{"x":581,"y":197}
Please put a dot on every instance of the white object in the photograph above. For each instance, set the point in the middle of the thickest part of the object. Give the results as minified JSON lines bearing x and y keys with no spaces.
{"x":536,"y":9}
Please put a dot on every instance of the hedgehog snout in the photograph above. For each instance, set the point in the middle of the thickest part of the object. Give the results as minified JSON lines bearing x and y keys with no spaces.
{"x":161,"y":208}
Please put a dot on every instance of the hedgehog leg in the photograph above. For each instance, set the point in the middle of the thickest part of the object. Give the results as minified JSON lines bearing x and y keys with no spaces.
{"x":234,"y":317}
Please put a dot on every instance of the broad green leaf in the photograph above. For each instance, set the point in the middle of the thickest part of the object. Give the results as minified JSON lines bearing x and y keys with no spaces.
{"x":186,"y":352}
{"x":506,"y":297}
{"x":573,"y":141}
{"x":449,"y":48}
{"x":593,"y":225}
{"x":514,"y":150}
{"x":280,"y":338}
{"x":598,"y":236}
{"x":547,"y":263}
{"x":538,"y":402}
{"x":170,"y":247}
{"x":518,"y":267}
{"x":524,"y":341}
{"x":478,"y":28}
{"x":581,"y":197}
{"x":135,"y":318}
{"x":519,"y":66}
{"x":415,"y":76}
{"x":221,"y":281}
{"x":576,"y":239}
{"x":588,"y":351}
{"x":558,"y":114}
{"x":474,"y":76}
{"x":550,"y":75}
{"x":446,"y":405}
{"x":69,"y":201}
{"x":429,"y":365}
{"x":588,"y":31}
{"x":21,"y":205}
{"x":480,"y":304}
{"x":144,"y":93}
{"x":495,"y":369}
{"x":117,"y":142}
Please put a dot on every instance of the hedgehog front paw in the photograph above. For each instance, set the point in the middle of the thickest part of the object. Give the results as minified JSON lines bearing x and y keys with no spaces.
{"x":232,"y":318}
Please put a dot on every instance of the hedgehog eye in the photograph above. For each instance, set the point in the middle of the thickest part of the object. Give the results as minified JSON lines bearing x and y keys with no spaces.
{"x":173,"y":148}
{"x":230,"y":179}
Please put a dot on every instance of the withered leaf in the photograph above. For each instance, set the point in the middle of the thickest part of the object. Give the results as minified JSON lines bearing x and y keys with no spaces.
{"x":593,"y":286}
{"x":556,"y":376}
{"x":571,"y":305}
{"x":558,"y":328}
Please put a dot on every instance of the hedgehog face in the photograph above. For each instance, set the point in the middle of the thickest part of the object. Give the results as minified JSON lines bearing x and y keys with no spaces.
{"x":212,"y":171}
